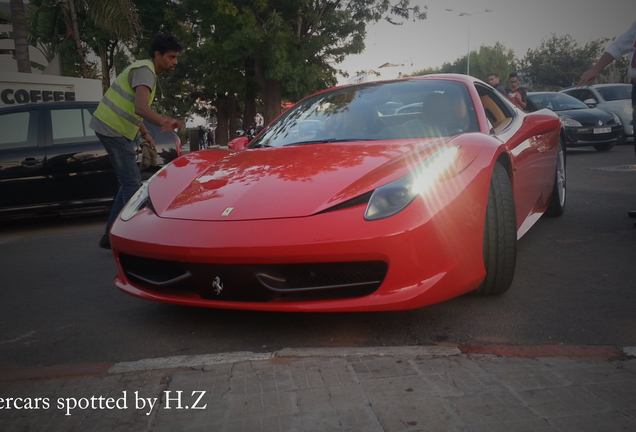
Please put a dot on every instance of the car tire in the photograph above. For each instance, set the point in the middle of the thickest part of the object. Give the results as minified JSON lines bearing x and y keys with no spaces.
{"x":604,"y":147}
{"x":557,"y":202}
{"x":500,"y":235}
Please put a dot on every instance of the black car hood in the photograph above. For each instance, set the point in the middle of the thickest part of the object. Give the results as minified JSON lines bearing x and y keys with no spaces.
{"x":588,"y":117}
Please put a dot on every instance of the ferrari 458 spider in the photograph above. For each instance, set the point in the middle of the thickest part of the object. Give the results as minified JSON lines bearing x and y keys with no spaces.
{"x":347,"y":203}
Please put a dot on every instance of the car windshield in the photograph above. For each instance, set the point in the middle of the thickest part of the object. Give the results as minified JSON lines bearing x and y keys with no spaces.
{"x":556,"y":101}
{"x":375,"y":111}
{"x":613,"y":93}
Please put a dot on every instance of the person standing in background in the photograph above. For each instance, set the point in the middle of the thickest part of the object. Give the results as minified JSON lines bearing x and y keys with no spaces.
{"x":493,"y":79}
{"x":517,"y":95}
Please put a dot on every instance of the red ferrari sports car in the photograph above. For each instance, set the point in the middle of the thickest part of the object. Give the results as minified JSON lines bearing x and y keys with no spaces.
{"x":347,"y":202}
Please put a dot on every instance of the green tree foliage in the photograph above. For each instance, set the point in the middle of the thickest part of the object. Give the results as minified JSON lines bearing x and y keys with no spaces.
{"x":559,"y":62}
{"x":483,"y":62}
{"x":70,"y":27}
{"x":241,"y":53}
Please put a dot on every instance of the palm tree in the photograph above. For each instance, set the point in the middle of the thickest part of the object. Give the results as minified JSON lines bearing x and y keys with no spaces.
{"x":118,"y":18}
{"x":20,"y":36}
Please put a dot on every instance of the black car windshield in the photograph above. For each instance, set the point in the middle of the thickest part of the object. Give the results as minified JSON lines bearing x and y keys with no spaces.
{"x":613,"y":93}
{"x":375,"y":111}
{"x":556,"y":101}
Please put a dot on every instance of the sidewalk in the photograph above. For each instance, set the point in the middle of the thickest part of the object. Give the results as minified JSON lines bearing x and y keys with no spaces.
{"x":486,"y":388}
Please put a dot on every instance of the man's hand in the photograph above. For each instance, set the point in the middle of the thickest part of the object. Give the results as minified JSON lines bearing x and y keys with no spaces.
{"x":587,"y":78}
{"x":169,"y":124}
{"x":150,"y":142}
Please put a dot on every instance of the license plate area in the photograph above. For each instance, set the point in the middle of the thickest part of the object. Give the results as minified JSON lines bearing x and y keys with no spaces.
{"x":602,"y":130}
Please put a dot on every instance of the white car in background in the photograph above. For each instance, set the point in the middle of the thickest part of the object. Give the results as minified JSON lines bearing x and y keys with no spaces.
{"x":614,"y":98}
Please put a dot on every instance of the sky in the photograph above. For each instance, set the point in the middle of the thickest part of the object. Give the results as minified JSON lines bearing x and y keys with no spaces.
{"x":518,"y":24}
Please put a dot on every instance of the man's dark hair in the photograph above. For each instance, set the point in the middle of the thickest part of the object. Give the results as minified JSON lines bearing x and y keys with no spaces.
{"x":513,"y":75}
{"x":163,"y":43}
{"x":494,"y":74}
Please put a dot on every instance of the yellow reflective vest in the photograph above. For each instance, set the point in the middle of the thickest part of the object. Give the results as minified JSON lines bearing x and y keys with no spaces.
{"x":117,"y":108}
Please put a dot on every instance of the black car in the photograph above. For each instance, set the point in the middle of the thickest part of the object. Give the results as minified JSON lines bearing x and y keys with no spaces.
{"x":51,"y":161}
{"x":584,"y":126}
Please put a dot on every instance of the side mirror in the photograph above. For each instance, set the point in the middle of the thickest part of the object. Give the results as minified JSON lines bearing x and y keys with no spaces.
{"x":540,"y":122}
{"x":591,"y":102}
{"x":238,"y":143}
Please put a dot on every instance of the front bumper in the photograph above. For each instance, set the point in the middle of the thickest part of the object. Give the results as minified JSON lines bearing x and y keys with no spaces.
{"x":335,"y":261}
{"x":585,"y":136}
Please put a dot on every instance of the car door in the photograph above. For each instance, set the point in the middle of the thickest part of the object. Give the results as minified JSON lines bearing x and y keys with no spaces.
{"x":530,"y":156}
{"x":24,"y":177}
{"x":78,"y":163}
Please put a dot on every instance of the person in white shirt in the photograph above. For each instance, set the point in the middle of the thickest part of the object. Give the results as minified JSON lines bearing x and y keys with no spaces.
{"x":625,"y":44}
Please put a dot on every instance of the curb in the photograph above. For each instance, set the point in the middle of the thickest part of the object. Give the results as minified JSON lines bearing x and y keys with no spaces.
{"x":597,"y":351}
{"x":604,"y":352}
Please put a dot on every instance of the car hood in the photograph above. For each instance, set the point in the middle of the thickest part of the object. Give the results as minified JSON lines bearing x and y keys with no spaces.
{"x":267,"y":183}
{"x":588,"y":117}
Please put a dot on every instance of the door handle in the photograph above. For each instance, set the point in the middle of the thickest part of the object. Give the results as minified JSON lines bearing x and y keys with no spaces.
{"x":31,"y":161}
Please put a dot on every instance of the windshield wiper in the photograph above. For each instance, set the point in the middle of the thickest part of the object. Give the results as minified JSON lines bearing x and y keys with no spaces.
{"x":309,"y":142}
{"x":329,"y":140}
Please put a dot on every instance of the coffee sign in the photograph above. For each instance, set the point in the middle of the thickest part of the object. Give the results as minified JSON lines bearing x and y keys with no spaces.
{"x":23,"y":93}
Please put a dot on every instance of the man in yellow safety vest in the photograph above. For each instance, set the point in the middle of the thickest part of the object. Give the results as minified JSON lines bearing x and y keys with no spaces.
{"x":118,"y":119}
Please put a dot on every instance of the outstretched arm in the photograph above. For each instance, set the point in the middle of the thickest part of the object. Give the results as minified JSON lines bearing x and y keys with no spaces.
{"x":589,"y":76}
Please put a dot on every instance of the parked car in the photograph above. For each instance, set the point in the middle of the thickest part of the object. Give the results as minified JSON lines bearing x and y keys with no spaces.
{"x":584,"y":126}
{"x":366,"y":212}
{"x":51,"y":161}
{"x":615,"y":98}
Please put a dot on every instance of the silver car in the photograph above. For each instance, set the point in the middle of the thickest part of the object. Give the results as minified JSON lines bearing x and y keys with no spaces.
{"x":615,"y":98}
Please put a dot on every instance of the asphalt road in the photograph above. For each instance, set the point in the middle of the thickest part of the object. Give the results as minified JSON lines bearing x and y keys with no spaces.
{"x":575,"y":283}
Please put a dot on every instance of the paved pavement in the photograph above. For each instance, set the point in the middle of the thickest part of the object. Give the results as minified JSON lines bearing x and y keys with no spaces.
{"x":437,"y":388}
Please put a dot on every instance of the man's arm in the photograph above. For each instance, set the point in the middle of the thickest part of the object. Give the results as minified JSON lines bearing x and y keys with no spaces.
{"x":142,"y":96}
{"x":589,"y":76}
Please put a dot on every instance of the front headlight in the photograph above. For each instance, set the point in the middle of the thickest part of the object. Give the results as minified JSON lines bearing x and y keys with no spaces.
{"x":567,"y":121}
{"x":392,"y":198}
{"x":628,"y":110}
{"x":140,"y":199}
{"x":616,"y":118}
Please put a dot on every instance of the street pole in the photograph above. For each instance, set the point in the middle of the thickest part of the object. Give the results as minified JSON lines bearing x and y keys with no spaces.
{"x":468,"y":54}
{"x":459,"y":13}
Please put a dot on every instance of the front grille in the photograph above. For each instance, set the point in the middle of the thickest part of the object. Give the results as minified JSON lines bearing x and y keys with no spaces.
{"x":578,"y":134}
{"x":256,"y":282}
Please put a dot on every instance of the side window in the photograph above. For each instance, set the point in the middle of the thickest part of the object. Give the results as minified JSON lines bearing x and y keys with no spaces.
{"x":71,"y":126}
{"x":581,"y":94}
{"x":19,"y":130}
{"x":498,"y":111}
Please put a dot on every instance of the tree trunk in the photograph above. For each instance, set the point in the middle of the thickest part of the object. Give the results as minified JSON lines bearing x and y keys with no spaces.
{"x":271,"y":91}
{"x":20,"y":36}
{"x":271,"y":100}
{"x":76,"y":36}
{"x":103,"y":56}
{"x":222,"y":120}
{"x":249,"y":115}
{"x":232,"y":114}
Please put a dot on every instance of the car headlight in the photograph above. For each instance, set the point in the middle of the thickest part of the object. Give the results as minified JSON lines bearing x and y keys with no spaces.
{"x":567,"y":121}
{"x":616,"y":118}
{"x":392,"y":198}
{"x":628,"y":110}
{"x":140,"y":199}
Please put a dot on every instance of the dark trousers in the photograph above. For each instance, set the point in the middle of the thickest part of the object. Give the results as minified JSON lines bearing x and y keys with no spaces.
{"x":634,"y":109}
